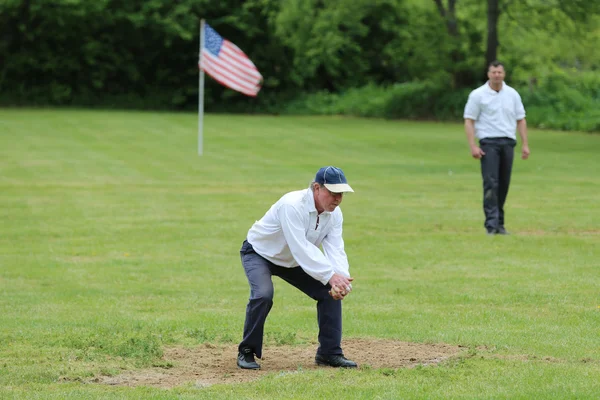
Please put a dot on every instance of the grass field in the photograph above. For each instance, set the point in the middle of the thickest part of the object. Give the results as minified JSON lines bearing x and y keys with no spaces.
{"x":117,"y":241}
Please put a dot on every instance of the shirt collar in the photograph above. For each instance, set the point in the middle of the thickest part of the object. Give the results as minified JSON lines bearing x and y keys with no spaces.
{"x":309,"y":200}
{"x":490,"y":90}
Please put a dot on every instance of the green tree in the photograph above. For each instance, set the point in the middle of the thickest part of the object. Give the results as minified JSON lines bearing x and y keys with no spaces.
{"x":493,"y":13}
{"x":344,"y":43}
{"x":562,"y":27}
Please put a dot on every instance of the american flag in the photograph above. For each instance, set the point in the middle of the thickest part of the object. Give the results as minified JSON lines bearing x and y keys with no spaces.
{"x":228,"y":65}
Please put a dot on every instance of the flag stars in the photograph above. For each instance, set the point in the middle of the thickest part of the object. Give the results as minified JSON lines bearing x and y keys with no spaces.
{"x":213,"y":41}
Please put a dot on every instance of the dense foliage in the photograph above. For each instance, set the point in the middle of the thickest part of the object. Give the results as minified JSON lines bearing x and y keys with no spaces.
{"x":390,"y":58}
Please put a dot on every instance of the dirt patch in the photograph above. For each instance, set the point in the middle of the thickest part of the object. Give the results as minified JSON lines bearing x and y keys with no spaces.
{"x":210,"y":364}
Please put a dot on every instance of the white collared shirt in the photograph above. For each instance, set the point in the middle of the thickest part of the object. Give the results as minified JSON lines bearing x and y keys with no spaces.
{"x":495,"y":113}
{"x":288,"y":235}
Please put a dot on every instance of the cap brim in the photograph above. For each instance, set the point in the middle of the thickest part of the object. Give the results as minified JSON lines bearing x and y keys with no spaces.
{"x":339,"y":188}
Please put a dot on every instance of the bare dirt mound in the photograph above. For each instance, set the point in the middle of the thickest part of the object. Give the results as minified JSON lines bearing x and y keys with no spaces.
{"x":210,"y":364}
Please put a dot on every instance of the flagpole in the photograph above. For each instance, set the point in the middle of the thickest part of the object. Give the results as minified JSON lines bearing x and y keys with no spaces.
{"x":200,"y":90}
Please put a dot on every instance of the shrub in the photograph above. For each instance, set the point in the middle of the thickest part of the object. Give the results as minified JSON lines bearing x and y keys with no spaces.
{"x":564,"y":101}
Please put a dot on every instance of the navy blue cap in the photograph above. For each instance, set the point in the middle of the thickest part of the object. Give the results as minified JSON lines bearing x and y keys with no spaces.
{"x":333,"y":179}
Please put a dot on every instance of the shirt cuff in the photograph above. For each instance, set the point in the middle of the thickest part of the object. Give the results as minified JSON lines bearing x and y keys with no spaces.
{"x":326,"y":281}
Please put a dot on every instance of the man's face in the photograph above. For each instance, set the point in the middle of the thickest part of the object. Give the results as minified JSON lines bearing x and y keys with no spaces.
{"x":326,"y":200}
{"x":496,"y":74}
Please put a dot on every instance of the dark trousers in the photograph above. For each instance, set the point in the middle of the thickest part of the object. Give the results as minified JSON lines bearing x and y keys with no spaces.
{"x":259,"y":272}
{"x":496,"y":168}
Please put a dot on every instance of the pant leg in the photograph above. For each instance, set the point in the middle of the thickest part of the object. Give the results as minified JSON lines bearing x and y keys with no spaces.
{"x":490,"y":173}
{"x":329,"y":311}
{"x":258,"y":272}
{"x":507,"y":153}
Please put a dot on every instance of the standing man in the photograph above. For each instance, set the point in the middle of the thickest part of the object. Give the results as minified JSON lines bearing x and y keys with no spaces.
{"x":492,"y":114}
{"x":286,"y":243}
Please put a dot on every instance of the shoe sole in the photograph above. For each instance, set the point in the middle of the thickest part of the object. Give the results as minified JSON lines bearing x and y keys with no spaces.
{"x":240,"y":367}
{"x":321,"y":364}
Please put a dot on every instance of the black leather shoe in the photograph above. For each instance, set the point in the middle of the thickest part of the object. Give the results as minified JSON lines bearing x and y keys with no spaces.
{"x":246,"y":359}
{"x":337,"y":361}
{"x":502,"y":231}
{"x":492,"y":231}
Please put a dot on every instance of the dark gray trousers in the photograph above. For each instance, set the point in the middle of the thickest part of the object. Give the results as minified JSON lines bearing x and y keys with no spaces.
{"x":259,"y":271}
{"x":496,"y":168}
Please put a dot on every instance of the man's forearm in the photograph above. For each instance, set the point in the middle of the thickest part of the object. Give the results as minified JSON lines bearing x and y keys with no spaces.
{"x":522,"y":129}
{"x":470,"y":131}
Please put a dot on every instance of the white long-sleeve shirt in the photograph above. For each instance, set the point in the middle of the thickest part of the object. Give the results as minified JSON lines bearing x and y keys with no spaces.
{"x":289,"y":236}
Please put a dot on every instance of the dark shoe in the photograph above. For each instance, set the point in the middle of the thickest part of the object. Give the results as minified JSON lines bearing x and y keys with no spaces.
{"x":502,"y":231}
{"x":492,"y":231}
{"x":246,"y":359}
{"x":337,"y":361}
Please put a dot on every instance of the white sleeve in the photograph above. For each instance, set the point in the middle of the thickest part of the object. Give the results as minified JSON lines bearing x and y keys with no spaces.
{"x":333,"y":246}
{"x":519,"y":108}
{"x":306,"y":254}
{"x":472,"y":108}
